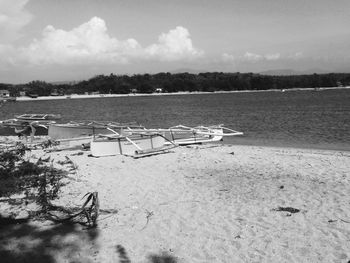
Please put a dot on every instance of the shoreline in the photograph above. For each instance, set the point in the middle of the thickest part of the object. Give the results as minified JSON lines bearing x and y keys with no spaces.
{"x":297,"y":147}
{"x":78,"y":96}
{"x":41,"y":138}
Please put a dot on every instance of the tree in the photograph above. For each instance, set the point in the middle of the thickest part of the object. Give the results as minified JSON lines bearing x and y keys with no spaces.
{"x":41,"y":88}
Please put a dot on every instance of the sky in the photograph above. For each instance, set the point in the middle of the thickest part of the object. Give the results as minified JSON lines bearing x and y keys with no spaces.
{"x":66,"y":40}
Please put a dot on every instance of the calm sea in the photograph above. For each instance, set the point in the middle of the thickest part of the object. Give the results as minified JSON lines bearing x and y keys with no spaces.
{"x":312,"y":119}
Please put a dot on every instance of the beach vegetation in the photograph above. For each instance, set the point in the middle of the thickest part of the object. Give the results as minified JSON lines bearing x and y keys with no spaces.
{"x":180,"y":82}
{"x":31,"y":178}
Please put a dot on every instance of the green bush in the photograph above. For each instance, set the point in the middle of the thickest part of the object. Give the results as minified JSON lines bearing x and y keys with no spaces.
{"x":36,"y":179}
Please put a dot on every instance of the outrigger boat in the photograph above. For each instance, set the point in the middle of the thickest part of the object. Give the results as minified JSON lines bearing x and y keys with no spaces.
{"x":22,"y":122}
{"x":135,"y":145}
{"x":106,"y":135}
{"x":139,"y":145}
{"x":35,"y":119}
{"x":38,"y":117}
{"x":75,"y":130}
{"x":184,"y":135}
{"x":137,"y":142}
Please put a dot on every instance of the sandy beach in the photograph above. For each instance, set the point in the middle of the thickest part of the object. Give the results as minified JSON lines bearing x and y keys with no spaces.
{"x":208,"y":203}
{"x":94,"y":96}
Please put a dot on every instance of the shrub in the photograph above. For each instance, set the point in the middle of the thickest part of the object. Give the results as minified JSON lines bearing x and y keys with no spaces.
{"x":37,"y":179}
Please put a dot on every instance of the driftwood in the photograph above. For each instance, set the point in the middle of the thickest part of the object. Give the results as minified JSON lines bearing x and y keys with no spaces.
{"x":149,"y":214}
{"x":287,"y":209}
{"x":90,"y":212}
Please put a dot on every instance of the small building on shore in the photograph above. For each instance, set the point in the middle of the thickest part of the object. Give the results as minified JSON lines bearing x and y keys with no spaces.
{"x":54,"y":93}
{"x":4,"y":93}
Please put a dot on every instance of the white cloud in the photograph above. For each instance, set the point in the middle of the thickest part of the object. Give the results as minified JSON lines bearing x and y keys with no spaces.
{"x":272,"y":56}
{"x":87,"y":42}
{"x":13,"y":17}
{"x":228,"y":58}
{"x":90,"y":42}
{"x":175,"y":45}
{"x":250,"y":57}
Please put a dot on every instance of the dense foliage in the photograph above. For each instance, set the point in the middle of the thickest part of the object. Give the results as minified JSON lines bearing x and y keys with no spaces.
{"x":37,"y":180}
{"x":167,"y":82}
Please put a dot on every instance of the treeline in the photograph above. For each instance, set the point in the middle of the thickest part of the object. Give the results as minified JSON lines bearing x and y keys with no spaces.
{"x":181,"y":82}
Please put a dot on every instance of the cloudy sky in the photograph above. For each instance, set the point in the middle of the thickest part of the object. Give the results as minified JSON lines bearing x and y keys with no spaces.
{"x":58,"y":40}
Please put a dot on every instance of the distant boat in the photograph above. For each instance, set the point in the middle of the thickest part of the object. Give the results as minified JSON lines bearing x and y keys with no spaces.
{"x":12,"y":123}
{"x":8,"y":99}
{"x":38,"y":117}
{"x":8,"y":127}
{"x":11,"y":99}
{"x":39,"y":121}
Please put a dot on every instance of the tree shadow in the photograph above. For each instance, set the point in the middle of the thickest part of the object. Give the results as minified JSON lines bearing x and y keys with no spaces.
{"x":163,"y":258}
{"x":153,"y":258}
{"x":25,"y":241}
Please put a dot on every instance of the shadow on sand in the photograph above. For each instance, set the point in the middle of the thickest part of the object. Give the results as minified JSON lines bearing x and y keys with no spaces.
{"x":153,"y":258}
{"x":22,"y":241}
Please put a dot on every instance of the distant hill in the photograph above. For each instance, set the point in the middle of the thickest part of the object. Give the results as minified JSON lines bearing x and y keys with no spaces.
{"x":188,"y":70}
{"x":291,"y":72}
{"x":68,"y":82}
{"x":276,"y":72}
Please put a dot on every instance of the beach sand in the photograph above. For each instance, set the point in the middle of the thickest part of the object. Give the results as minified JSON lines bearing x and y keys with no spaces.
{"x":91,"y":96}
{"x":208,"y":203}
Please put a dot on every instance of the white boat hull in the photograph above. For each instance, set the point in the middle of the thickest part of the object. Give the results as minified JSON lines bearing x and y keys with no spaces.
{"x":183,"y":136}
{"x":196,"y":140}
{"x":66,"y":131}
{"x":125,"y":145}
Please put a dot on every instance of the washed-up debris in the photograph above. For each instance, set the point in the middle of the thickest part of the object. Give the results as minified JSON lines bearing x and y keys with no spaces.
{"x":89,"y":210}
{"x":72,"y":166}
{"x":48,"y":144}
{"x":345,"y":221}
{"x":78,"y":153}
{"x":287,"y":209}
{"x":149,"y":214}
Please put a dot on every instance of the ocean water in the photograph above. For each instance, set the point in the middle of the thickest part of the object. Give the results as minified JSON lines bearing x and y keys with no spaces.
{"x":311,"y":119}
